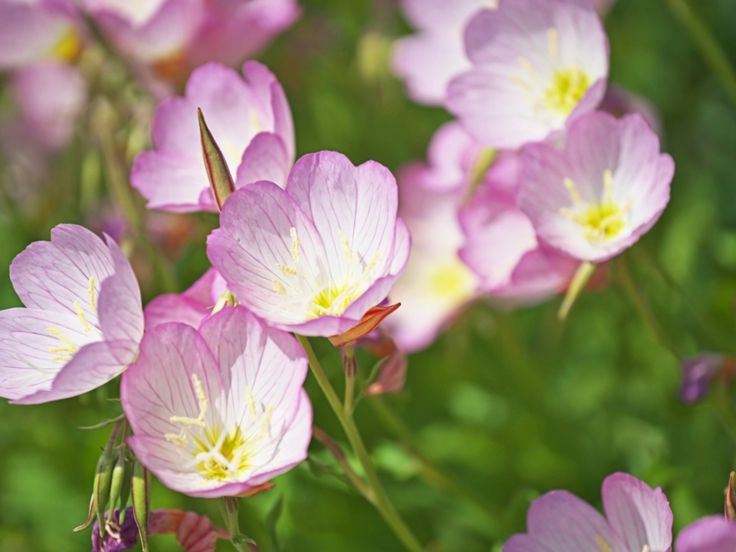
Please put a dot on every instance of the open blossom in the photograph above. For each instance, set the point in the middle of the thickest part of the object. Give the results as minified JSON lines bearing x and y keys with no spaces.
{"x":428,"y":59}
{"x":500,"y":243}
{"x":602,"y":191}
{"x":82,"y":322}
{"x":435,"y":283}
{"x":537,"y":64}
{"x":220,"y":410}
{"x":317,"y":256}
{"x":638,"y":518}
{"x":250,"y":119}
{"x":175,"y":36}
{"x":709,"y":534}
{"x":36,"y":30}
{"x":190,"y":307}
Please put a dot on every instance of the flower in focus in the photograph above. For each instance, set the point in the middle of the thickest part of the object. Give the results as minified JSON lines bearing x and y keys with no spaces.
{"x":82,"y":322}
{"x":500,"y":243}
{"x":602,"y":191}
{"x":251,"y":120}
{"x":190,"y":307}
{"x":220,"y":410}
{"x":317,"y":256}
{"x":194,"y":533}
{"x":430,"y":58}
{"x":638,"y":518}
{"x":536,"y":65}
{"x":435,"y":283}
{"x":709,"y":534}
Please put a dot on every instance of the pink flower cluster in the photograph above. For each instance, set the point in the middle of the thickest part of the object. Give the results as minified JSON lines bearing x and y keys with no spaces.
{"x":531,"y":180}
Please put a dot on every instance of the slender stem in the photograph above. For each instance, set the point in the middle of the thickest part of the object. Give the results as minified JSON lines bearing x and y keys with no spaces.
{"x":643,"y":308}
{"x":709,"y":48}
{"x":380,"y":499}
{"x":230,"y":508}
{"x":579,"y":281}
{"x":351,"y":369}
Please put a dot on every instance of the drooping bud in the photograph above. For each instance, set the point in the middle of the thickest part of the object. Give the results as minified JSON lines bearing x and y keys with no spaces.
{"x":392,"y":376}
{"x":221,"y":181}
{"x":141,"y":501}
{"x":730,"y":505}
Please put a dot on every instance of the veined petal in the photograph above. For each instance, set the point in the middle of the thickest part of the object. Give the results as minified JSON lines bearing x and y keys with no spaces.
{"x":709,"y":534}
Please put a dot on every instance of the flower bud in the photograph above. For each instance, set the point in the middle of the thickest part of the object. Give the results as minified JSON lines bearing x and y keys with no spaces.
{"x":218,"y":172}
{"x":141,"y":501}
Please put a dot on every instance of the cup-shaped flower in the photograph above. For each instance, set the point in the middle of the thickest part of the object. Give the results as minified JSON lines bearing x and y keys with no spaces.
{"x":602,"y":191}
{"x":536,"y":65}
{"x":190,"y":307}
{"x":82,"y":322}
{"x":220,"y":410}
{"x":500,"y":243}
{"x":249,"y":118}
{"x":709,"y":534}
{"x":317,"y":256}
{"x":638,"y":518}
{"x":428,"y":59}
{"x":436,"y":284}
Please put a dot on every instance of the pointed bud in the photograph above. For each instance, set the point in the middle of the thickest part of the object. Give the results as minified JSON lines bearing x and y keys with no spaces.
{"x":125,"y":491}
{"x":730,"y":506}
{"x":141,"y":501}
{"x":392,"y":376}
{"x":367,"y":324}
{"x":103,"y":476}
{"x":218,"y":172}
{"x":116,"y":481}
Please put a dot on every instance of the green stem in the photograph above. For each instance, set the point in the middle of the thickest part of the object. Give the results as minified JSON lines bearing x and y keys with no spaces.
{"x":577,"y":284}
{"x":351,"y":369}
{"x":230,"y":510}
{"x":709,"y":48}
{"x":643,"y":308}
{"x":379,"y":499}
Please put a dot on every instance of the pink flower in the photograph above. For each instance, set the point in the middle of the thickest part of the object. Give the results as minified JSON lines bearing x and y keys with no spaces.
{"x":436,"y":283}
{"x":190,"y":307}
{"x":638,"y":518}
{"x":602,"y":191}
{"x":250,"y":119}
{"x":501,"y":245}
{"x":175,"y":36}
{"x":709,"y":534}
{"x":430,"y":58}
{"x":220,"y":410}
{"x":36,"y":30}
{"x":317,"y":256}
{"x":48,"y":119}
{"x":536,"y":65}
{"x":82,"y":322}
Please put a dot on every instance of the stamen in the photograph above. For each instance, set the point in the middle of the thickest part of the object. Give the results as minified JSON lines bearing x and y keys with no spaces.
{"x":64,"y":353}
{"x":288,"y":270}
{"x":80,"y":314}
{"x":572,"y":189}
{"x":202,"y":402}
{"x":256,"y":125}
{"x":602,"y":545}
{"x":251,"y":400}
{"x":294,"y":245}
{"x":347,"y":251}
{"x":92,"y":294}
{"x":607,"y":185}
{"x":527,"y":66}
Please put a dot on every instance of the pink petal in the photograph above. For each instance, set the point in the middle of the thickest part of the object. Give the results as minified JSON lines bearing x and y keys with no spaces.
{"x":709,"y":534}
{"x":639,"y":514}
{"x":119,"y":304}
{"x":265,"y":158}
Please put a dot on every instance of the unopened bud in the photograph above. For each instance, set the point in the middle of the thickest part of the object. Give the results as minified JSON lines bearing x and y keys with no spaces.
{"x":141,"y":501}
{"x":730,"y":506}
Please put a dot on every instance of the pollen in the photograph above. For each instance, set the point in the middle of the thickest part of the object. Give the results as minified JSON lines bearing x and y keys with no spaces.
{"x":332,"y":300}
{"x":68,"y":47}
{"x":567,"y":88}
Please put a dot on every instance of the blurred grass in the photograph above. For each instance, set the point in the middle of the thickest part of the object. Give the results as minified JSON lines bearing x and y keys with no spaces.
{"x":507,"y":405}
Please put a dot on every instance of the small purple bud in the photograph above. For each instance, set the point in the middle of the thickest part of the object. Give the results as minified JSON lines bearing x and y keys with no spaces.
{"x":698,"y":373}
{"x":115,"y":538}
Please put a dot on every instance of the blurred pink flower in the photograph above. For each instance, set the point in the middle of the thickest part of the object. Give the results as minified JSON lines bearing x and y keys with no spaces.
{"x":82,"y":322}
{"x":174,"y":36}
{"x":428,"y":59}
{"x":48,"y":119}
{"x":316,"y":257}
{"x":250,"y":119}
{"x":638,"y":518}
{"x":501,"y":245}
{"x":602,"y":191}
{"x":536,"y":65}
{"x":619,"y":102}
{"x":220,"y":410}
{"x":190,"y":307}
{"x":709,"y":534}
{"x":436,"y":283}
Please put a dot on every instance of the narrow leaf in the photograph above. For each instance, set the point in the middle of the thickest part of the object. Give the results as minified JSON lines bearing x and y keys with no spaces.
{"x":218,"y":172}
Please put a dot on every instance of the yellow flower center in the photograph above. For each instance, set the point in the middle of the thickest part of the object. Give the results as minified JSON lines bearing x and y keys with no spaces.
{"x":567,"y":88}
{"x":223,"y":454}
{"x":451,"y":281}
{"x":600,"y":221}
{"x":68,"y":47}
{"x":332,"y":300}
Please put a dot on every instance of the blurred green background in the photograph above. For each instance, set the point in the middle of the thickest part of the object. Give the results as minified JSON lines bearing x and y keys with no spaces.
{"x":506,"y":405}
